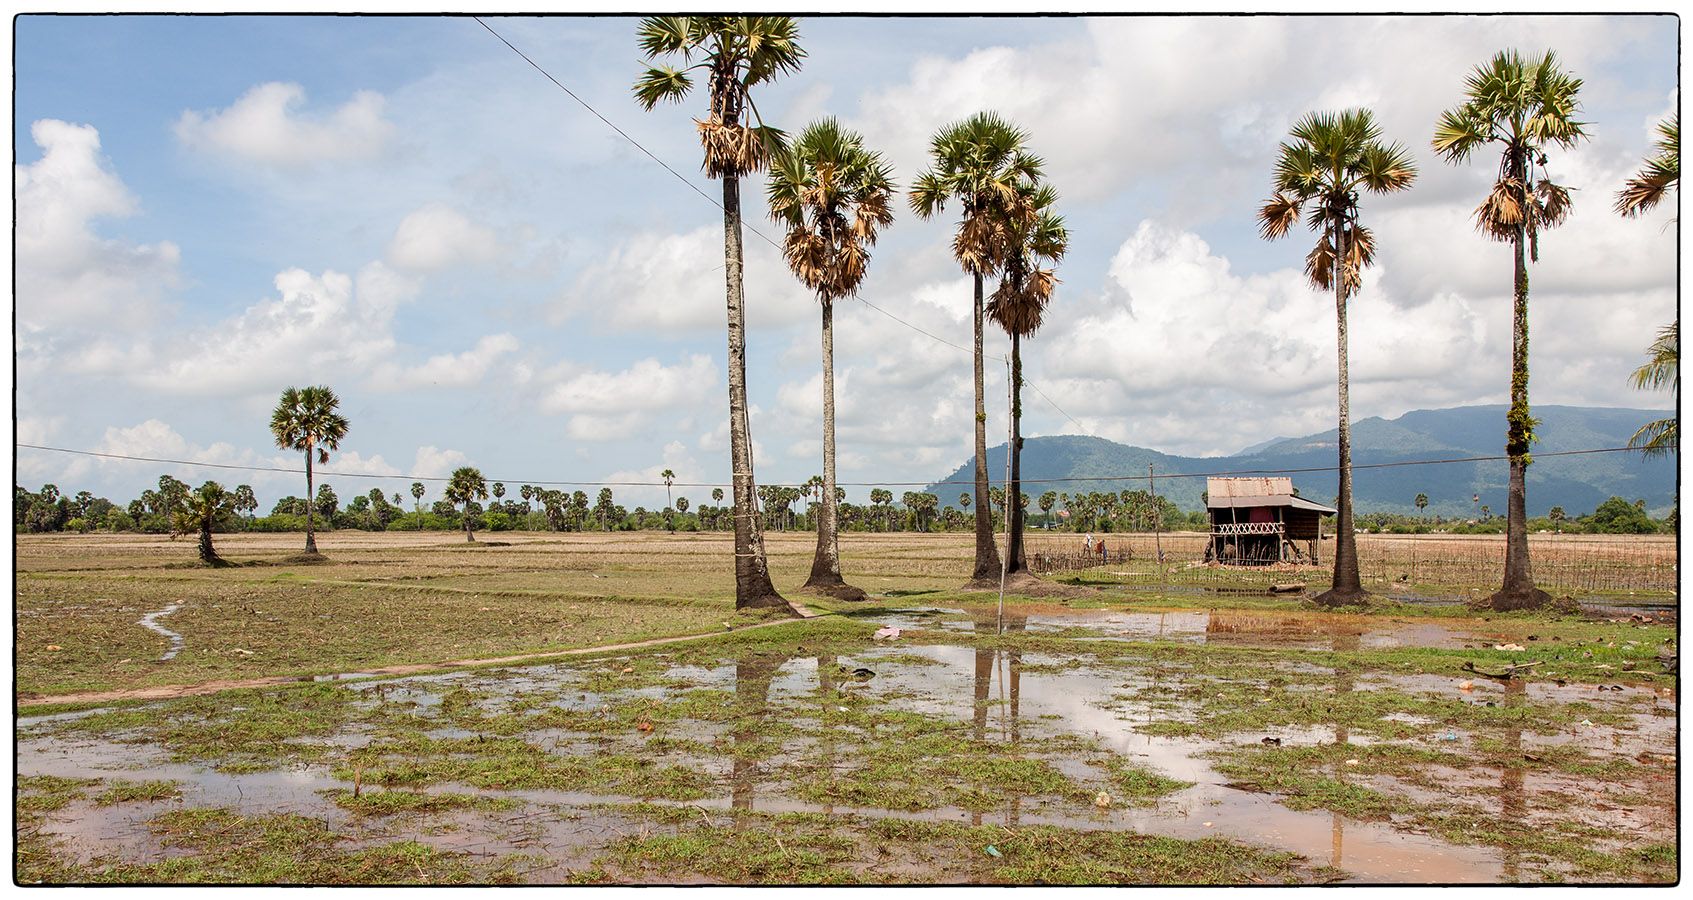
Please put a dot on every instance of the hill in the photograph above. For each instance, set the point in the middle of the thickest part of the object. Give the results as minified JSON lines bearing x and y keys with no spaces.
{"x":1080,"y":464}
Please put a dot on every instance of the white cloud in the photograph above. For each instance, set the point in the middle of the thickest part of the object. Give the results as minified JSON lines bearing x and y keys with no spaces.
{"x":317,"y":328}
{"x":651,"y":495}
{"x":671,"y":283}
{"x":438,"y":236}
{"x":433,"y":462}
{"x":66,"y":273}
{"x":646,"y":386}
{"x":447,"y":370}
{"x":266,"y":126}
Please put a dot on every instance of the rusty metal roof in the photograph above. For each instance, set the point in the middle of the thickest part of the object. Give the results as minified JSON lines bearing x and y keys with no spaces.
{"x":1244,"y":493}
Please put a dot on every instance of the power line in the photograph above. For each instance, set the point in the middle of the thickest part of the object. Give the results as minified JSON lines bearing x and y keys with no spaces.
{"x":752,"y":228}
{"x":708,"y":484}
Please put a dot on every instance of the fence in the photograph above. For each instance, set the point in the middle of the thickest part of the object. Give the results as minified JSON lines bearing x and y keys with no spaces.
{"x":1429,"y":565}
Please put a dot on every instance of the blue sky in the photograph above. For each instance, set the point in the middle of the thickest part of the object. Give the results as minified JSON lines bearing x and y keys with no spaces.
{"x":214,"y":208}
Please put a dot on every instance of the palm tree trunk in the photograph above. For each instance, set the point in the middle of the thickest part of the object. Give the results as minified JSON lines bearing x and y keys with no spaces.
{"x":207,"y":554}
{"x":826,"y":562}
{"x":1518,"y":591}
{"x":752,"y":577}
{"x":987,"y":552}
{"x":469,"y":538}
{"x":311,"y":539}
{"x":1013,"y":492}
{"x":1347,"y":587}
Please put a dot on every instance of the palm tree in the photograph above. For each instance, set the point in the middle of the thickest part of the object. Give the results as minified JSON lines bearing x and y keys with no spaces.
{"x":736,"y":54}
{"x":305,"y":419}
{"x":466,"y":485}
{"x":1422,"y":503}
{"x":1662,"y":370}
{"x":831,"y":193}
{"x":977,"y":162}
{"x":245,"y":500}
{"x":1661,"y":172}
{"x":201,"y":510}
{"x":1523,"y":105}
{"x":1557,"y":515}
{"x":668,"y":477}
{"x":1319,"y":174}
{"x":1033,"y":235}
{"x":417,"y":492}
{"x":1047,"y":501}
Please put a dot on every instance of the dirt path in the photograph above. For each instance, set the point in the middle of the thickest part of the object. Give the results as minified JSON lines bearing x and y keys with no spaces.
{"x":172,"y":691}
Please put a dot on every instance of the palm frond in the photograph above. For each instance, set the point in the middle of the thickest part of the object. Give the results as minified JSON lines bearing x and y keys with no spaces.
{"x":1662,"y":368}
{"x":1657,"y":438}
{"x":1662,"y":172}
{"x":1276,"y":216}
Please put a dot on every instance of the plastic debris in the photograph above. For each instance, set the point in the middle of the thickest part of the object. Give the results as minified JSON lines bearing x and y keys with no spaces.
{"x":1450,"y":736}
{"x":1103,"y":801}
{"x":1352,"y":762}
{"x":1466,"y":686}
{"x":628,"y":669}
{"x":994,"y":852}
{"x":1511,"y":647}
{"x":54,"y":648}
{"x":1209,"y":824}
{"x":842,"y":709}
{"x":888,"y":633}
{"x":1586,"y":723}
{"x":644,"y":726}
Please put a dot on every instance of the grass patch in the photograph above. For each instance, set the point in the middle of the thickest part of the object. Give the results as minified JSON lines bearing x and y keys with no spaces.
{"x":135,"y":792}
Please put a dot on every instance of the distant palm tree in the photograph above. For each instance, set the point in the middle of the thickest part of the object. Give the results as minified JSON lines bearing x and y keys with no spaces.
{"x":1557,"y":515}
{"x":498,"y":490}
{"x":1523,"y":105}
{"x":465,"y":486}
{"x":735,"y":54}
{"x":1662,"y":370}
{"x":1422,"y":503}
{"x":417,"y":492}
{"x":245,"y":500}
{"x":832,"y":195}
{"x":1319,"y":174}
{"x":668,"y":477}
{"x":305,"y":419}
{"x":977,"y":162}
{"x":201,"y":510}
{"x":1660,"y":173}
{"x":1047,"y":501}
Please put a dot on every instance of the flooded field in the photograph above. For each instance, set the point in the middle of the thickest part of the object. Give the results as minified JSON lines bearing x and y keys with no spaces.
{"x":1053,"y":745}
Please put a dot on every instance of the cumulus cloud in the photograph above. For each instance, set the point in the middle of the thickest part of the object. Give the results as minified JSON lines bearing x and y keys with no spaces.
{"x":672,"y":283}
{"x":266,"y":126}
{"x":651,"y":494}
{"x":447,"y":370}
{"x":317,"y":327}
{"x":438,"y":236}
{"x":66,"y":273}
{"x":433,"y":462}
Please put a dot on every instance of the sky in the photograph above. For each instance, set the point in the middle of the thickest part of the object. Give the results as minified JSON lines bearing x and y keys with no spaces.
{"x":212,"y":209}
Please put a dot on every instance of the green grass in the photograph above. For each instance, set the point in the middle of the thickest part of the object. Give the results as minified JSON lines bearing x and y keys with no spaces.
{"x":135,"y":792}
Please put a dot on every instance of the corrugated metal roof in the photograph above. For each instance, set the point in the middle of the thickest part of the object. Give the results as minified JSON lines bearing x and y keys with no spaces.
{"x":1248,"y":487}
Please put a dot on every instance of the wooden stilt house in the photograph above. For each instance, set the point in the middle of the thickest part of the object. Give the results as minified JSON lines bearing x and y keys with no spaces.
{"x":1258,"y":521}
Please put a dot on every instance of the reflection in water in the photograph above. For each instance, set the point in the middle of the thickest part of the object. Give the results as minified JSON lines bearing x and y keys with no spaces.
{"x":1512,"y":802}
{"x":1345,"y":641}
{"x":1008,"y":665}
{"x":753,"y":673}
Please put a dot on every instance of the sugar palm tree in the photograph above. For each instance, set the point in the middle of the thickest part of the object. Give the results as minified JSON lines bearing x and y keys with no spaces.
{"x":1319,"y":174}
{"x":417,"y":492}
{"x":1422,"y":503}
{"x":201,"y":510}
{"x":305,"y":419}
{"x":669,"y":478}
{"x":1524,"y":105}
{"x":1662,"y":370}
{"x":832,"y":195}
{"x":735,"y":54}
{"x":465,"y":486}
{"x":1661,"y":172}
{"x":977,"y":163}
{"x":1035,"y":240}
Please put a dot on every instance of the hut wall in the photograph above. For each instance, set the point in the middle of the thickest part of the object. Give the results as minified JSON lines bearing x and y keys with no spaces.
{"x":1301,"y":524}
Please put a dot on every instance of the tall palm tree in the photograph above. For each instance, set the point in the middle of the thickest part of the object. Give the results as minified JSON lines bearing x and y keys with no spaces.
{"x":417,"y":492}
{"x":736,"y":54}
{"x":1661,"y":172}
{"x":1662,"y":370}
{"x":978,"y":163}
{"x":1523,"y":105}
{"x":669,"y":477}
{"x":1034,"y":235}
{"x":1422,"y":503}
{"x":832,"y":194}
{"x":1319,"y":174}
{"x":466,"y":485}
{"x":305,"y":419}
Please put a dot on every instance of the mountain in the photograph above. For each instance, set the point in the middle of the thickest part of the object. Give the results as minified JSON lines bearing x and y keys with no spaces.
{"x":1078,"y":464}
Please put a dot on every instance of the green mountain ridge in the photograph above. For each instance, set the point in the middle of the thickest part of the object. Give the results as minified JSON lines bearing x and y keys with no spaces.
{"x":1383,"y":450}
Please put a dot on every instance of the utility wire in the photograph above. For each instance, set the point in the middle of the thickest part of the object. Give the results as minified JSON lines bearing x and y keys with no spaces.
{"x":752,"y":228}
{"x":1024,"y":480}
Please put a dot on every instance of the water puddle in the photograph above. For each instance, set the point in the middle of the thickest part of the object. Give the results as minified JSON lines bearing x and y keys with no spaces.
{"x":150,"y":622}
{"x":781,"y":720}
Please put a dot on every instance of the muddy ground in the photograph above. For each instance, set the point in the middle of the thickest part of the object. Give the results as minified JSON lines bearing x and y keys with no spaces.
{"x":1055,"y":744}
